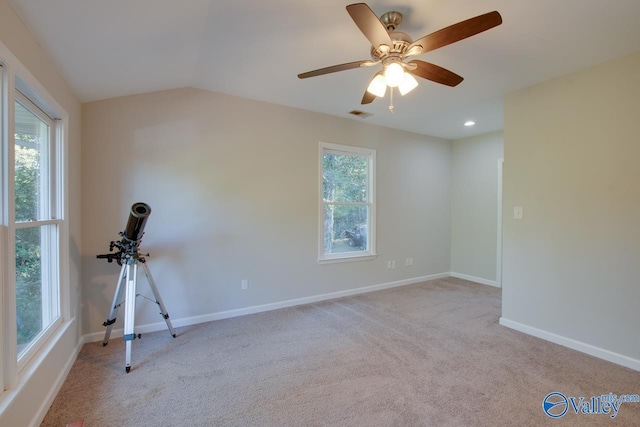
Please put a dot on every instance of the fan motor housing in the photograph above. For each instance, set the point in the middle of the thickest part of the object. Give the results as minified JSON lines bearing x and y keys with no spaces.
{"x":401,"y":41}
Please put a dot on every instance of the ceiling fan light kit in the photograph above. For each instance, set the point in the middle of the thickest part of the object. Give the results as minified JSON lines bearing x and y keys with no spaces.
{"x":393,"y":74}
{"x":390,"y":48}
{"x":407,"y":84}
{"x":378,"y":86}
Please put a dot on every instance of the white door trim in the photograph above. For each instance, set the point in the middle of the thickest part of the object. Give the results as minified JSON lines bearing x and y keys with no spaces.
{"x":499,"y":251}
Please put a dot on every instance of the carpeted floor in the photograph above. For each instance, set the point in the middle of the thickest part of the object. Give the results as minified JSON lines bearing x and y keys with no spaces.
{"x":431,"y":354}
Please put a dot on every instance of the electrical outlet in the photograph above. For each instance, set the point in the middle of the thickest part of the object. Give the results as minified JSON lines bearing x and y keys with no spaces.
{"x":410,"y":261}
{"x":393,"y":264}
{"x":245,"y":284}
{"x":517,"y":212}
{"x":388,"y":265}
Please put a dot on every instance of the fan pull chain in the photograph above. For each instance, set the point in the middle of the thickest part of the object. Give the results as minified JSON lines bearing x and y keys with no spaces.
{"x":391,"y":101}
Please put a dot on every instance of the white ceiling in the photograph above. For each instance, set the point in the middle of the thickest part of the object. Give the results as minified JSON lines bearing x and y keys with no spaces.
{"x":255,"y":49}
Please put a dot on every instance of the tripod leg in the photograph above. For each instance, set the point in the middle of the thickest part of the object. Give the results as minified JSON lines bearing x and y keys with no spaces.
{"x":129,"y":312}
{"x":156,"y":294}
{"x":117,"y":298}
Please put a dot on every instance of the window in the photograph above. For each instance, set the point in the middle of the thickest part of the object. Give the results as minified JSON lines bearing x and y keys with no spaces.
{"x":3,"y":229}
{"x":34,"y":266}
{"x":36,"y":224}
{"x":347,"y":203}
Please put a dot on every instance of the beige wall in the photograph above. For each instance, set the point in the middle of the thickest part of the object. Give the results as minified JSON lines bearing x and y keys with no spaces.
{"x":474,"y":206}
{"x":35,"y":390}
{"x":572,"y":265}
{"x":233,"y":187}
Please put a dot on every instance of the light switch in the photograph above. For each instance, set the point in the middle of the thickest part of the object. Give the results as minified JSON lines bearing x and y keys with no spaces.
{"x":517,"y":212}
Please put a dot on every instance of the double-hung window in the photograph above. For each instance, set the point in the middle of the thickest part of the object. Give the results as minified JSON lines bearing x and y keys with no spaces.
{"x":36,"y":225}
{"x":347,"y":203}
{"x":33,"y":228}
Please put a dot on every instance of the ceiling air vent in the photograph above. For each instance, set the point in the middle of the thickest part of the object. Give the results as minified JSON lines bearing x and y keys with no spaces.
{"x":361,"y":114}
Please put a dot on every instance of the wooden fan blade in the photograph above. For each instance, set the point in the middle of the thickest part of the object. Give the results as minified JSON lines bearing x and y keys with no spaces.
{"x":435,"y":73}
{"x":455,"y":32}
{"x":335,"y":68}
{"x":369,"y":24}
{"x":367,"y":98}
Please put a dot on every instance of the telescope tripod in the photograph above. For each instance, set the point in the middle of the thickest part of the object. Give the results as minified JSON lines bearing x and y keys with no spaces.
{"x":127,"y":283}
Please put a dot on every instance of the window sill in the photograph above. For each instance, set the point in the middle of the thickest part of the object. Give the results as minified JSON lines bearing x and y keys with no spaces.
{"x":366,"y":257}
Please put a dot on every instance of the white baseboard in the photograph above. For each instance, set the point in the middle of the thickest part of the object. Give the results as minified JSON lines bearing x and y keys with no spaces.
{"x":475,"y":279}
{"x":188,"y":321}
{"x":598,"y":352}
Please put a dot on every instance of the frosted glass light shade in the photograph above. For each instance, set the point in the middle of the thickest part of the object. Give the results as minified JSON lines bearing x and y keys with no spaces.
{"x":393,"y":74}
{"x":377,"y":87}
{"x":408,"y":84}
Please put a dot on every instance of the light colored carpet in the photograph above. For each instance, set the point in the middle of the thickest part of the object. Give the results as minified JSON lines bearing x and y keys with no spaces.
{"x":431,"y":354}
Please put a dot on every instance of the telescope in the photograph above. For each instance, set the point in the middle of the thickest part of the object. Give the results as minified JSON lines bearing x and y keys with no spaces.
{"x":131,"y":236}
{"x":128,"y":258}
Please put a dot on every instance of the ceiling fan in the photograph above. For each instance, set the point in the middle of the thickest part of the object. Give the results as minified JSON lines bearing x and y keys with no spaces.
{"x":390,"y":48}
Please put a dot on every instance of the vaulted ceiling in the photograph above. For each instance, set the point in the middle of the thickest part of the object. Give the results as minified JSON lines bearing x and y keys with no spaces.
{"x":255,"y":49}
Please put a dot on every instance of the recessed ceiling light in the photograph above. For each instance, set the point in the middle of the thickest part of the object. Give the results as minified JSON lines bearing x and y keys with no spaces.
{"x":469,"y":123}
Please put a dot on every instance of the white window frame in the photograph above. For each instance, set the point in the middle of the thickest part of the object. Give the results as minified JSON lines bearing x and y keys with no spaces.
{"x":4,"y":274}
{"x":370,"y":154}
{"x":16,"y":77}
{"x":49,"y":215}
